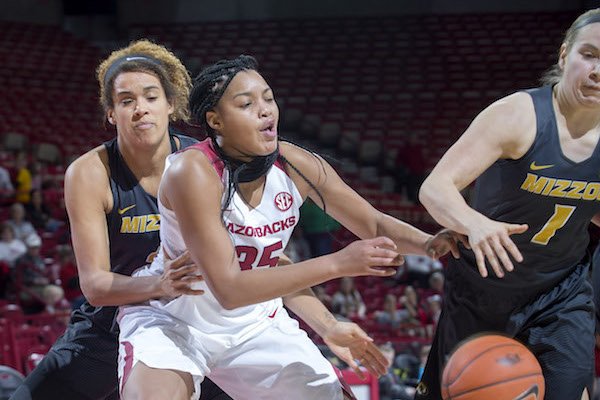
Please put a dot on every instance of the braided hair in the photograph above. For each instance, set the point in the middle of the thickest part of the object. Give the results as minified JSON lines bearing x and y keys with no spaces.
{"x":211,"y":83}
{"x":208,"y":88}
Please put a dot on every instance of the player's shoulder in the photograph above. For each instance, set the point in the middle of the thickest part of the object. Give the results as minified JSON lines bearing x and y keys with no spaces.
{"x":512,"y":118}
{"x":93,"y":163}
{"x":297,"y":154}
{"x":191,"y":162}
{"x":514,"y":104}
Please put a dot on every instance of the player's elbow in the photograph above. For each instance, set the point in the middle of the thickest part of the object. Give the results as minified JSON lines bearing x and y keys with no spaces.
{"x":93,"y":293}
{"x":427,"y":192}
{"x":227,"y":299}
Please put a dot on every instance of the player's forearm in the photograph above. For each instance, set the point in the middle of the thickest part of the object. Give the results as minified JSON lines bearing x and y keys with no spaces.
{"x":409,"y":239}
{"x":112,"y":289}
{"x":254,"y":286}
{"x":311,"y":310}
{"x":447,"y":206}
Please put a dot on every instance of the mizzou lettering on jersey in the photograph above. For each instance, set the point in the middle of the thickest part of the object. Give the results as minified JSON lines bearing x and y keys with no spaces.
{"x":140,"y":223}
{"x":265,"y":230}
{"x":563,"y":188}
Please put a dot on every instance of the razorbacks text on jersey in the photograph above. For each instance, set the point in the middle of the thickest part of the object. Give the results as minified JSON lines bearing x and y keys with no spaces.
{"x":260,"y":235}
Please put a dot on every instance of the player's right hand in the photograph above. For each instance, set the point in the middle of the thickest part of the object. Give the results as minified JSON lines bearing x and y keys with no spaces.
{"x":377,"y":257}
{"x":178,"y":276}
{"x":490,"y":241}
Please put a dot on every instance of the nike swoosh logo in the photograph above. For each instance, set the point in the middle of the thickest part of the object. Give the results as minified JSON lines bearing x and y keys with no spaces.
{"x":122,"y":211}
{"x":274,"y":312}
{"x":534,"y":167}
{"x":530,"y":394}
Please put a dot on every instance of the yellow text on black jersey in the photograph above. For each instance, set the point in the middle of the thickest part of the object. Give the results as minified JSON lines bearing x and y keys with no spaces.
{"x":140,"y":223}
{"x":564,"y":188}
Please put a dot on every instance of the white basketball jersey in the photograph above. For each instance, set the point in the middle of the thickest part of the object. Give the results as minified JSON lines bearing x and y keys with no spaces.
{"x":259,"y":234}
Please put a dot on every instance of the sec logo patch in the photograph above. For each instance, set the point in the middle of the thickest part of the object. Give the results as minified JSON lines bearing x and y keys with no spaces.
{"x":283,"y":201}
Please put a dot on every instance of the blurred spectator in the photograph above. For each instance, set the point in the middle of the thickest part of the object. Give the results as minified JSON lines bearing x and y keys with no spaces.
{"x":434,"y":309}
{"x":390,"y":315}
{"x":40,"y":214}
{"x":34,"y":287}
{"x":393,"y":385}
{"x":347,"y":301}
{"x":424,"y":353}
{"x":436,"y":282}
{"x":7,"y":190}
{"x":318,"y":228}
{"x":37,"y":175}
{"x":410,"y":172}
{"x":69,"y":276}
{"x":22,"y":228}
{"x":11,"y":247}
{"x":298,"y":249}
{"x":22,"y":178}
{"x":410,"y":302}
{"x":419,"y":268}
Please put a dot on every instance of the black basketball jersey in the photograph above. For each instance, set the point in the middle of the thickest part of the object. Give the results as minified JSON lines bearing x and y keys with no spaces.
{"x":555,"y":196}
{"x":133,"y":226}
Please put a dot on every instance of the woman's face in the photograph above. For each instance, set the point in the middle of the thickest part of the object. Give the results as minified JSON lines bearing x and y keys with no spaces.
{"x":140,"y":109}
{"x":246,"y":117}
{"x":581,"y":67}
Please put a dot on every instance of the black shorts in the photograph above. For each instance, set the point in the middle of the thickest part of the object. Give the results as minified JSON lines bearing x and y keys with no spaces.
{"x":82,"y":365}
{"x":557,"y":326}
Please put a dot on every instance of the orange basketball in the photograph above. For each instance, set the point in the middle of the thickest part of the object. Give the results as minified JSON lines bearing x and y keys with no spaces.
{"x":492,"y":367}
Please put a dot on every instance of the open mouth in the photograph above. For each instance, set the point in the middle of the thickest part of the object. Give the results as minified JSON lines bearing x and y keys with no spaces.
{"x":269,"y":129}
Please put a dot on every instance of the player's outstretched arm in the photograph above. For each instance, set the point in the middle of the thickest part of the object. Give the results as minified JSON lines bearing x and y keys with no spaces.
{"x":345,"y":339}
{"x":353,"y":211}
{"x":505,"y":130}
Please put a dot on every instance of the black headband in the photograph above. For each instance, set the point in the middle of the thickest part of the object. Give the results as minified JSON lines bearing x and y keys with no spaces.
{"x":115,"y":66}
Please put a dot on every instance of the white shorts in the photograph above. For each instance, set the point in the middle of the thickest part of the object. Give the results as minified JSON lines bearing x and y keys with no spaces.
{"x":279,"y":363}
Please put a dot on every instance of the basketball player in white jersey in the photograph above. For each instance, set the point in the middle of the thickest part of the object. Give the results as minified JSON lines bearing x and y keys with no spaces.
{"x":233,"y":201}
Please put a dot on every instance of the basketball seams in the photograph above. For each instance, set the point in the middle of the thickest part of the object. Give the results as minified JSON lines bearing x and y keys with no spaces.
{"x":475,"y":358}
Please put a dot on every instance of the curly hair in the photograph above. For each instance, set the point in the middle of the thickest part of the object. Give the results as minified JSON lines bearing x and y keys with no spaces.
{"x":161,"y":62}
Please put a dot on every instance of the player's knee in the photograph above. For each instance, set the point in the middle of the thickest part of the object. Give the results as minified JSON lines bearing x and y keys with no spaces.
{"x":149,"y":384}
{"x":150,"y":392}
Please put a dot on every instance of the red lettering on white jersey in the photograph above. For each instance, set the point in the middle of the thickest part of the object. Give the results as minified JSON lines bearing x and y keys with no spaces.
{"x":265,"y":230}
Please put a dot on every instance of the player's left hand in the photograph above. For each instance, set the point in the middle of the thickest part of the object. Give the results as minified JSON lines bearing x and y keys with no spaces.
{"x":443,"y":242}
{"x":351,"y":344}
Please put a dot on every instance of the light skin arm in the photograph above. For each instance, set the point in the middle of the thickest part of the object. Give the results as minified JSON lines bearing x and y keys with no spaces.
{"x":192,"y":189}
{"x":504,"y":130}
{"x":346,"y":339}
{"x":354,"y":212}
{"x":87,"y":197}
{"x":596,"y":220}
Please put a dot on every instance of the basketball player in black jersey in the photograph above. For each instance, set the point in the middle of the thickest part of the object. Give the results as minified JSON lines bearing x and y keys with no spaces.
{"x":110,"y":194}
{"x":538,"y":187}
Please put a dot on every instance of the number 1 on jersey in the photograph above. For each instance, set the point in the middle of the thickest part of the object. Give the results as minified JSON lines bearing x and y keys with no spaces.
{"x":560,"y":217}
